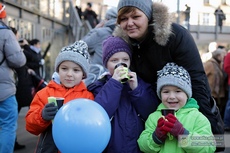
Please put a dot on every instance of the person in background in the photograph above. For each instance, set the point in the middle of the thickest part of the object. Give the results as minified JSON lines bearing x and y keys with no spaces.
{"x":72,"y":66}
{"x":187,"y":16}
{"x":11,"y":57}
{"x":94,"y":40}
{"x":32,"y":50}
{"x":176,"y":133}
{"x":79,"y":11}
{"x":23,"y":88}
{"x":227,"y":108}
{"x":220,"y":16}
{"x":32,"y":77}
{"x":90,"y":15}
{"x":128,"y":104}
{"x":24,"y":94}
{"x":156,"y":41}
{"x":214,"y":71}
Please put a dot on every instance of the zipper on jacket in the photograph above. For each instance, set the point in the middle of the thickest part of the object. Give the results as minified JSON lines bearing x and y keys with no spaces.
{"x":138,"y":53}
{"x":42,"y":142}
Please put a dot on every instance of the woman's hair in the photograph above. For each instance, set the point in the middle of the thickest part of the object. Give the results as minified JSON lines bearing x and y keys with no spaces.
{"x":123,"y":11}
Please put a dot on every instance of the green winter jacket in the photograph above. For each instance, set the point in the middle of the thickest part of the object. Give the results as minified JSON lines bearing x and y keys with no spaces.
{"x":198,"y":140}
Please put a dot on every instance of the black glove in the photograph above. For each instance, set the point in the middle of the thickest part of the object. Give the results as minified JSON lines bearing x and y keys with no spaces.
{"x":49,"y":111}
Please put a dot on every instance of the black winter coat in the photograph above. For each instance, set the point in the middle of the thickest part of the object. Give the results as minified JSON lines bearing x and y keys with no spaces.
{"x":24,"y":87}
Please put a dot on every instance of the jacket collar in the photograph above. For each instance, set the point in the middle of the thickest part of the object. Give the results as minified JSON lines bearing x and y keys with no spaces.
{"x":161,"y":23}
{"x":191,"y":103}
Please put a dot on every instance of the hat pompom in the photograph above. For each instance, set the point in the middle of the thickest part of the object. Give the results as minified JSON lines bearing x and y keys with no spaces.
{"x":2,"y":11}
{"x":174,"y":75}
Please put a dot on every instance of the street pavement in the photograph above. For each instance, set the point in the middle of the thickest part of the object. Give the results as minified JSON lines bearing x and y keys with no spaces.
{"x":30,"y":140}
{"x":23,"y":136}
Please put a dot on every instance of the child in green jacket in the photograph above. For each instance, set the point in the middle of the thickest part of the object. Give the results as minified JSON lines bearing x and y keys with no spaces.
{"x":185,"y":130}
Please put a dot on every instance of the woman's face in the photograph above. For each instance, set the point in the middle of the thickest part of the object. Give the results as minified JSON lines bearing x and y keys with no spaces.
{"x":135,"y":24}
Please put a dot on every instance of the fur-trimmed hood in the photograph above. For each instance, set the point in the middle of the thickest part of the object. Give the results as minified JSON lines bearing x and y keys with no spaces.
{"x":162,"y":21}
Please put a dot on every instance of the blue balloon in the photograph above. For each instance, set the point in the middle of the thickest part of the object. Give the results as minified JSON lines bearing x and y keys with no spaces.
{"x":81,"y":126}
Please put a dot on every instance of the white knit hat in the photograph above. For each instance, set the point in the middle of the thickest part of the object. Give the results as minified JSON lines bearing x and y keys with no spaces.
{"x":77,"y":53}
{"x":174,"y":75}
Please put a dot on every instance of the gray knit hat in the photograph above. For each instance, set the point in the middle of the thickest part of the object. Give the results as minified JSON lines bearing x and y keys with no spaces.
{"x":144,"y":5}
{"x":174,"y":75}
{"x":77,"y":53}
{"x":111,"y":13}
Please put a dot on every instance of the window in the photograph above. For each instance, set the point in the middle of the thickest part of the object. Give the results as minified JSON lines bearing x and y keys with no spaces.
{"x":223,"y":2}
{"x":206,"y":2}
{"x":205,"y":19}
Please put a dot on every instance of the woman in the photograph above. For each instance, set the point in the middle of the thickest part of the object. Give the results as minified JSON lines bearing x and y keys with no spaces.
{"x":155,"y":41}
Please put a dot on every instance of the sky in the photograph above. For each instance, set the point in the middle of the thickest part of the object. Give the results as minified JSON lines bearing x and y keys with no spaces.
{"x":111,"y":2}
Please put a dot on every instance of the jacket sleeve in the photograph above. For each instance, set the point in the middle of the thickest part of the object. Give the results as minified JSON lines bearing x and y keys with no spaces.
{"x":144,"y":99}
{"x":90,"y":96}
{"x":91,"y":40}
{"x":14,"y":55}
{"x":185,"y":53}
{"x":34,"y":122}
{"x":209,"y":70}
{"x":227,"y":64}
{"x":107,"y":95}
{"x":145,"y":140}
{"x":202,"y":129}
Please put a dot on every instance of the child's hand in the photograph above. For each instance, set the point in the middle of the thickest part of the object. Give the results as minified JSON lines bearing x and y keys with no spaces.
{"x":133,"y":80}
{"x":173,"y":126}
{"x":160,"y":134}
{"x":119,"y":73}
{"x":49,"y":111}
